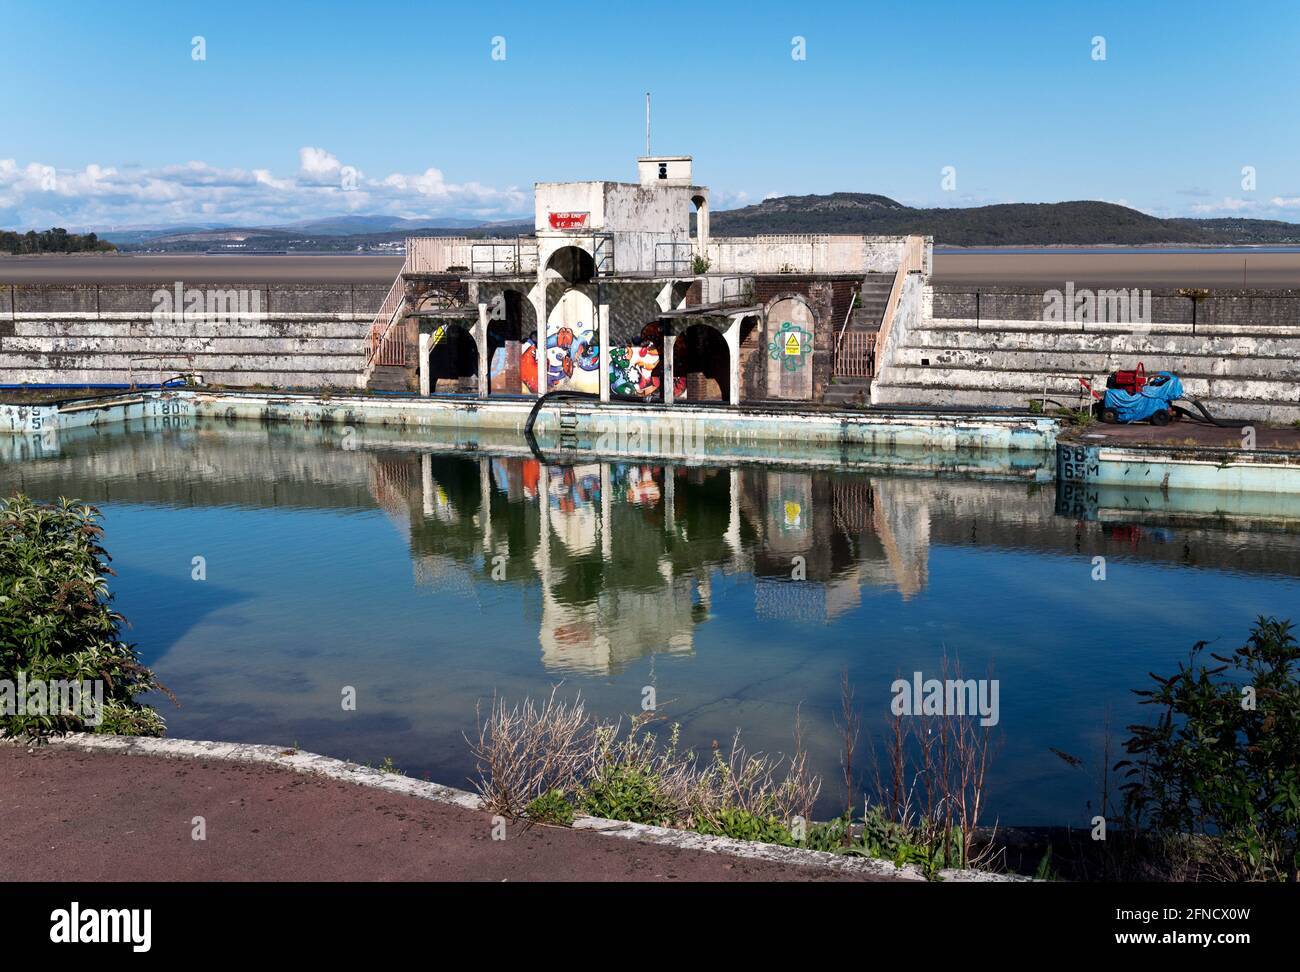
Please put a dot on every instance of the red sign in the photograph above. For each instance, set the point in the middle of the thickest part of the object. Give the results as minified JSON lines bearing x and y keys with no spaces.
{"x":568,"y":220}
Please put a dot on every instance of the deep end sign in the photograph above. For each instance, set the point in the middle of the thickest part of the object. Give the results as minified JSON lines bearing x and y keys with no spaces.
{"x":564,"y":221}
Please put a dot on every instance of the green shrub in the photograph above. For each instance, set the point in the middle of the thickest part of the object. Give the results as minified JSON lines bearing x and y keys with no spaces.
{"x":56,"y":624}
{"x":552,"y":808}
{"x":743,"y":825}
{"x":1218,"y":774}
{"x":621,"y":791}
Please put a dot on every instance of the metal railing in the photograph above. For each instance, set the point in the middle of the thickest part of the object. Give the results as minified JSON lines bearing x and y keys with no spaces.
{"x":388,"y":341}
{"x":673,"y":257}
{"x":845,"y":326}
{"x":855,"y":355}
{"x":504,"y":258}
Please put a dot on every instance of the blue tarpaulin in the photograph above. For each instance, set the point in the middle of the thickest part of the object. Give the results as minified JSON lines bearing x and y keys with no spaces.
{"x":1156,"y":395}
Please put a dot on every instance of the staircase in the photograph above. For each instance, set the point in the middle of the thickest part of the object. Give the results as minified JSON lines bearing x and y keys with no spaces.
{"x":1239,"y":370}
{"x":387,"y":355}
{"x":853,"y":363}
{"x":388,"y":378}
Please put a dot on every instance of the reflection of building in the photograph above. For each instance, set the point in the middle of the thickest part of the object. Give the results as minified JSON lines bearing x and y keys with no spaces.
{"x":620,"y":290}
{"x":625,"y":553}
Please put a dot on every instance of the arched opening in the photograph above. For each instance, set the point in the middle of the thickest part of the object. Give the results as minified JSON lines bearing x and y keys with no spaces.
{"x":453,"y":360}
{"x":701,"y":203}
{"x":751,"y":358}
{"x":572,"y":353}
{"x":790,"y":326}
{"x":702,"y":365}
{"x":512,"y":330}
{"x":573,"y":264}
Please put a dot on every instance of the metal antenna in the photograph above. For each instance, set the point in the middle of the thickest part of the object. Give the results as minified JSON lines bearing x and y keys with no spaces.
{"x":647,"y":123}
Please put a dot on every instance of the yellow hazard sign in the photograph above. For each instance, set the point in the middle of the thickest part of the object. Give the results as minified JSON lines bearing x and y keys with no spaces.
{"x":792,"y":343}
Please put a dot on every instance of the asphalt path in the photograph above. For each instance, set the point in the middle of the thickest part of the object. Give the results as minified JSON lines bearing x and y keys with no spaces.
{"x":113,"y":817}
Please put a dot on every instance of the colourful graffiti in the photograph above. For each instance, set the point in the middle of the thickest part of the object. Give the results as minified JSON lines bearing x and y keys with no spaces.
{"x":790,"y":345}
{"x":528,"y":366}
{"x":572,"y":360}
{"x":635,"y":369}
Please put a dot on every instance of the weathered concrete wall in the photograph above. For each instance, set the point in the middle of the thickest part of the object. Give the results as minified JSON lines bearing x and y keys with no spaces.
{"x":1238,"y":351}
{"x":302,"y":337}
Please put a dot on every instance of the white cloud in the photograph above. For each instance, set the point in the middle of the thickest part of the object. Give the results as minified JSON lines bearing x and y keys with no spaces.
{"x":35,"y":195}
{"x":1278,"y":207}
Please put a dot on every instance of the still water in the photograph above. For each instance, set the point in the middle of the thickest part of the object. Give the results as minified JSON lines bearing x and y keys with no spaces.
{"x":429,"y":577}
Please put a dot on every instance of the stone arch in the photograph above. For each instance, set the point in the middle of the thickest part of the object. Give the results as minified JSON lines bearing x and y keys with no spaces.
{"x":791,"y":324}
{"x":453,"y":360}
{"x":700,"y":201}
{"x":512,"y":344}
{"x":573,"y":264}
{"x":702,"y":363}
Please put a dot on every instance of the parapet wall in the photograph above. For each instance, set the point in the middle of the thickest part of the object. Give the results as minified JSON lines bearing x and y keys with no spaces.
{"x":287,"y":335}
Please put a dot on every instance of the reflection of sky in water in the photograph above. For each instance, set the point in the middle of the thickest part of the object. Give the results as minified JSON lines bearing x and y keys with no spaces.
{"x":328,"y":568}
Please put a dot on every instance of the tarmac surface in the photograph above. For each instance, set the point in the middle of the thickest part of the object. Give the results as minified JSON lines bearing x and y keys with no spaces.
{"x":1038,"y":269}
{"x":1185,"y":433}
{"x":112,"y":817}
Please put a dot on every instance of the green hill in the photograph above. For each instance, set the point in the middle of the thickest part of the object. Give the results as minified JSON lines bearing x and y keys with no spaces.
{"x":1025,"y":224}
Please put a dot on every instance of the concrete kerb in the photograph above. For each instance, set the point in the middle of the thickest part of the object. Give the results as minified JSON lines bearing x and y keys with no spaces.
{"x":336,"y":769}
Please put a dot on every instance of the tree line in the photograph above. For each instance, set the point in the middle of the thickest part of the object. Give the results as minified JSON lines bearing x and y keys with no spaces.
{"x":55,"y":240}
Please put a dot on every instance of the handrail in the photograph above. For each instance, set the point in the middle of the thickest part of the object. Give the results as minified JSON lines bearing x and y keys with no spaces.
{"x":843,"y":327}
{"x":382,"y":325}
{"x":912,"y":260}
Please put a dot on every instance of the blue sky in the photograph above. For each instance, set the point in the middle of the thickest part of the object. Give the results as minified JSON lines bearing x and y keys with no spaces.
{"x":107,"y":119}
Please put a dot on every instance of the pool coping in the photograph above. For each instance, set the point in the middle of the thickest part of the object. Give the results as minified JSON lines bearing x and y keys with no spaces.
{"x":336,"y":769}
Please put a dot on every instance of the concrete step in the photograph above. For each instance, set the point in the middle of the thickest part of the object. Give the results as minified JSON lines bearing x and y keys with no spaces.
{"x":1091,"y":327}
{"x":391,"y":378}
{"x":1265,"y":346}
{"x":1097,"y":363}
{"x":848,"y":391}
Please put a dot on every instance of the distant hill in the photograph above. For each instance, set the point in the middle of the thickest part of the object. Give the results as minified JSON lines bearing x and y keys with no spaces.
{"x":1083,"y":223}
{"x":345,"y":234}
{"x":1027,"y":224}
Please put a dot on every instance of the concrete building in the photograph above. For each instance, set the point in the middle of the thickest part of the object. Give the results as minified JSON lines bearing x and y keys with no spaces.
{"x":621,"y":291}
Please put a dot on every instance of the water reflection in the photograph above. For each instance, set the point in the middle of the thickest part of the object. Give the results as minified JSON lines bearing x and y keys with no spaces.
{"x":433,"y":572}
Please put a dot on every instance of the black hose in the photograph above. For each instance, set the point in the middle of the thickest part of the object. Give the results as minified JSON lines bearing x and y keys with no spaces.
{"x":559,"y":393}
{"x":1221,"y":423}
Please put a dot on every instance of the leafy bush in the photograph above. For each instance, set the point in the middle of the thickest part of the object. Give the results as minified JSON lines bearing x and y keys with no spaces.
{"x":1218,"y":774}
{"x":744,"y":825}
{"x":551,"y":807}
{"x":56,"y":624}
{"x":630,"y":792}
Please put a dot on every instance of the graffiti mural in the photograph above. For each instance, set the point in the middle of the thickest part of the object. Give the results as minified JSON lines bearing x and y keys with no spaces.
{"x":636,"y":369}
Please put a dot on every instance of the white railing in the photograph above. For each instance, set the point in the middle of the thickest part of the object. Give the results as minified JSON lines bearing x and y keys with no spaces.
{"x":439,"y":254}
{"x":913,"y":261}
{"x":388,"y":346}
